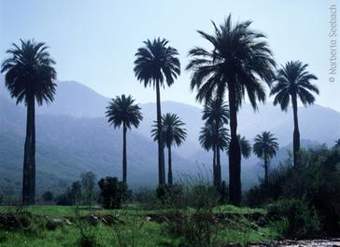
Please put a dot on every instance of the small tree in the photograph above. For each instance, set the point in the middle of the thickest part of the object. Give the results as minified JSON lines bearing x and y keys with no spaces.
{"x":48,"y":196}
{"x":75,"y":192}
{"x":113,"y":192}
{"x":88,"y":181}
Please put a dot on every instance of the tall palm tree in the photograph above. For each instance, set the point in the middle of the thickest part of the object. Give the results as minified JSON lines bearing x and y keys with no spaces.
{"x":157,"y":64}
{"x":174,"y":133}
{"x":293,"y":81}
{"x":265,"y":147}
{"x":212,"y":140}
{"x":216,"y":113}
{"x":238,"y":62}
{"x":122,"y":111}
{"x":30,"y":77}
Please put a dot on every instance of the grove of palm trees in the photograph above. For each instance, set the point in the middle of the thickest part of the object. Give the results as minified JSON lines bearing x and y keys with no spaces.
{"x":296,"y":197}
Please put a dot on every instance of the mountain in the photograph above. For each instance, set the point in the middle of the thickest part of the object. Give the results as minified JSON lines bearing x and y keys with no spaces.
{"x":73,"y":137}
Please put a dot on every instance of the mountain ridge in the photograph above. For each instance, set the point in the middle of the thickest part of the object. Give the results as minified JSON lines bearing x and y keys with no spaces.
{"x":73,"y":136}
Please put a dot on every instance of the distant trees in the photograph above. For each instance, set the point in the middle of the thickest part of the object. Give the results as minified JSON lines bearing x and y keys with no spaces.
{"x":30,"y":77}
{"x":265,"y":147}
{"x":157,"y":64}
{"x":174,"y":133}
{"x":293,"y":81}
{"x":122,"y":111}
{"x":239,"y":60}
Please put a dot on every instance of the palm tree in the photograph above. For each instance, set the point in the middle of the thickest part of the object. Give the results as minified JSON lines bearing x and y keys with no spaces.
{"x":174,"y":133}
{"x":212,"y":140}
{"x":122,"y":111}
{"x":30,"y":77}
{"x":216,"y":113}
{"x":265,"y":147}
{"x":238,"y":62}
{"x":157,"y":64}
{"x":293,"y":81}
{"x":244,"y":146}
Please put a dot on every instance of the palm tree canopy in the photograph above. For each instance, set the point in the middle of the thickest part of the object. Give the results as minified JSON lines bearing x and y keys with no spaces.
{"x":293,"y":79}
{"x":209,"y":138}
{"x":30,"y":72}
{"x":239,"y":55}
{"x":265,"y":145}
{"x":216,"y":111}
{"x":123,"y":110}
{"x":172,"y":129}
{"x":245,"y":146}
{"x":157,"y":62}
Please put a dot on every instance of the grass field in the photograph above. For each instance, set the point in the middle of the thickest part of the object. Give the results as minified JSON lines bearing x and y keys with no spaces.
{"x":136,"y":227}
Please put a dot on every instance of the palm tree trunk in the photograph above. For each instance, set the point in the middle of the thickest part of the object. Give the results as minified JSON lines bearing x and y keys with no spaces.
{"x":214,"y":166}
{"x":234,"y":152}
{"x":266,"y":178}
{"x":218,"y":168}
{"x":296,"y":133}
{"x":161,"y":167}
{"x":170,"y":182}
{"x":28,"y":189}
{"x":124,"y":155}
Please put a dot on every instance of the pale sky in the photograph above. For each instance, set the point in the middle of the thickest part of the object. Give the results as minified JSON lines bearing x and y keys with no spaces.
{"x":94,"y":41}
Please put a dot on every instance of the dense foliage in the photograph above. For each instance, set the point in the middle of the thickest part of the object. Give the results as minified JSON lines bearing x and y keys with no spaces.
{"x":112,"y":192}
{"x":316,"y":182}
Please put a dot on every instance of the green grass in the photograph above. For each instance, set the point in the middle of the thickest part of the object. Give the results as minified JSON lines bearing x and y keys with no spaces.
{"x":238,"y":210}
{"x":136,"y":230}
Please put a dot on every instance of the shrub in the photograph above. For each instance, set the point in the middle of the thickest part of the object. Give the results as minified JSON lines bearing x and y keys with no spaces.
{"x":170,"y":194}
{"x":86,"y":230}
{"x":317,"y":180}
{"x":301,"y":220}
{"x":202,"y":196}
{"x":195,"y":227}
{"x":113,"y":192}
{"x":48,"y":196}
{"x":71,"y":196}
{"x":88,"y":182}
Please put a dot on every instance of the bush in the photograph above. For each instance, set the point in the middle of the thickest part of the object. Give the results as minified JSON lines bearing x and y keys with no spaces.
{"x":113,"y":192}
{"x":317,"y":180}
{"x":197,"y":229}
{"x":88,"y":182}
{"x":87,"y":232}
{"x":71,"y":196}
{"x":299,"y":219}
{"x":169,"y":194}
{"x":48,"y":196}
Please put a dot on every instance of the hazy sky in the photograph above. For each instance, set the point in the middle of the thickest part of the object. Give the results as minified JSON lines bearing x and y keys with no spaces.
{"x":94,"y":42}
